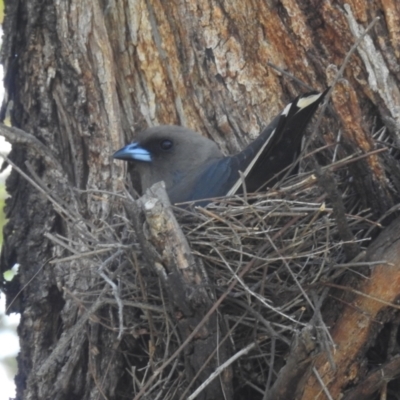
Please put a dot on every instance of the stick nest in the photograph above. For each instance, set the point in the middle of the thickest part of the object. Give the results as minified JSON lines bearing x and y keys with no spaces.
{"x":291,"y":237}
{"x":296,"y":251}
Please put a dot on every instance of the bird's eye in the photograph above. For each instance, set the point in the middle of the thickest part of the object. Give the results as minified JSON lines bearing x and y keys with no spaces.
{"x":166,"y":144}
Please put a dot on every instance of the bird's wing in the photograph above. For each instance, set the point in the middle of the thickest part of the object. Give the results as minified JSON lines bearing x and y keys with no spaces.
{"x":277,"y":146}
{"x":212,"y":180}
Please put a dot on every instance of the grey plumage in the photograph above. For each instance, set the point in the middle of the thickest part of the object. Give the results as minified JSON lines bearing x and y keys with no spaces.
{"x":179,"y":166}
{"x":193,"y":167}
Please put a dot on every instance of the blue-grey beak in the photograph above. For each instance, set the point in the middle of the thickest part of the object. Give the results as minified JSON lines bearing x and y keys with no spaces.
{"x":134,"y":152}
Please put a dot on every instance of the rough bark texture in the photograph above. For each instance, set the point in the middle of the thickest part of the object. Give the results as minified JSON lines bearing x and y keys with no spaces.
{"x":83,"y":77}
{"x":359,"y":322}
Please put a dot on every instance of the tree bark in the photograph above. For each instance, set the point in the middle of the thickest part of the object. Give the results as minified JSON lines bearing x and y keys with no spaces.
{"x":83,"y":77}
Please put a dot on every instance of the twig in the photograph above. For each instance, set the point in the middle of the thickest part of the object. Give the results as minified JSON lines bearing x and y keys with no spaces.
{"x":321,"y":382}
{"x":115,"y":290}
{"x":221,"y":368}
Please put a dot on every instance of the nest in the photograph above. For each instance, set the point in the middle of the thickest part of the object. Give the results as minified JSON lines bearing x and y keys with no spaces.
{"x":289,"y":245}
{"x":273,"y":257}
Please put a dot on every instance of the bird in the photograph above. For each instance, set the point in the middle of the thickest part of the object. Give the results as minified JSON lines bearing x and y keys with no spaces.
{"x":194,"y":169}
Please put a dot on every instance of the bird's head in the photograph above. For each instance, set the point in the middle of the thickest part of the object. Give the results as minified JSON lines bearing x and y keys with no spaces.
{"x":168,"y":153}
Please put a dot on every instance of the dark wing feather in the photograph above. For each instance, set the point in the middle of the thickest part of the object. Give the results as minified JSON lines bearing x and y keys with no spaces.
{"x":278,"y":145}
{"x":213,"y":180}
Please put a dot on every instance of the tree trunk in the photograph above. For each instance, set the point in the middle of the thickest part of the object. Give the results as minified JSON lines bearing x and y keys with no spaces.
{"x":81,"y":79}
